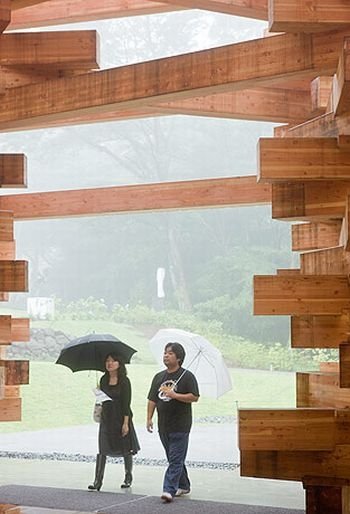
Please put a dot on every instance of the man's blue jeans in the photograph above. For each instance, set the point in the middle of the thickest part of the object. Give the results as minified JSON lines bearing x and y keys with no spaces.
{"x":175,"y":446}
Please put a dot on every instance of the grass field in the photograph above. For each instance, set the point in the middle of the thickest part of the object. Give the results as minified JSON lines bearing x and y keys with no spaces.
{"x":56,"y":397}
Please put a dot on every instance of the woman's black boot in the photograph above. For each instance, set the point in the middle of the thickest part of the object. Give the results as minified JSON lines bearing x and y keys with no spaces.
{"x":99,"y":472}
{"x":128,"y":472}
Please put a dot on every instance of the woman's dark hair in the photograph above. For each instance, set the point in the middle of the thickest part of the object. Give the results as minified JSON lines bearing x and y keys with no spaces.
{"x":121,"y":370}
{"x":179,"y":351}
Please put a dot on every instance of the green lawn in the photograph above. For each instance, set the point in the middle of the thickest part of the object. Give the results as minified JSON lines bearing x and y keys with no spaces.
{"x":56,"y":397}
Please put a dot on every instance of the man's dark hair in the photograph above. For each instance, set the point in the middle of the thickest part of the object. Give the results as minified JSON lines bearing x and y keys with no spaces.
{"x":179,"y":351}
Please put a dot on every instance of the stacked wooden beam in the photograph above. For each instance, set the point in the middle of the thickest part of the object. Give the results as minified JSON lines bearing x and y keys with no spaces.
{"x":28,"y":59}
{"x":13,"y":277}
{"x":308,"y":167}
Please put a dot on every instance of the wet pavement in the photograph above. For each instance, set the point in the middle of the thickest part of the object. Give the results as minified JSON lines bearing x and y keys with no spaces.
{"x":215,"y":442}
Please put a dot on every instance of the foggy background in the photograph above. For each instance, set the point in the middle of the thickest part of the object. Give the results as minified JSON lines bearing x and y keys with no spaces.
{"x":209,"y":256}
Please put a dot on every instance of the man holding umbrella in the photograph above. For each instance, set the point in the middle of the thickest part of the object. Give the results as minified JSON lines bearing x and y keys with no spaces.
{"x":172,"y":392}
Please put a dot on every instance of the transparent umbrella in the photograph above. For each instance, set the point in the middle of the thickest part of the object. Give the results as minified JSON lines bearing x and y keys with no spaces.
{"x":202,"y":358}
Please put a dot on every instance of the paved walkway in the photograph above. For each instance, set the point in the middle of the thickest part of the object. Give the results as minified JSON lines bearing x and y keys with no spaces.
{"x":209,"y":442}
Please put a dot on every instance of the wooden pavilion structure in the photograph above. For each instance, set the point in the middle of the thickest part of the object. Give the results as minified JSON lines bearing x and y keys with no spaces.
{"x":297,"y":75}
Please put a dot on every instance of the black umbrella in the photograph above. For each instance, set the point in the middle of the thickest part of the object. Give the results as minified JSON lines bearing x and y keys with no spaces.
{"x":91,"y":351}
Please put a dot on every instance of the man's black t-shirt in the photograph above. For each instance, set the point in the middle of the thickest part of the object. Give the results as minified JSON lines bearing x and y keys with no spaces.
{"x":174,"y":416}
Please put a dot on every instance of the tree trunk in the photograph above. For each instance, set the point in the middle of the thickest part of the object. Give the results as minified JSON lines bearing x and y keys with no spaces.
{"x":177,"y":274}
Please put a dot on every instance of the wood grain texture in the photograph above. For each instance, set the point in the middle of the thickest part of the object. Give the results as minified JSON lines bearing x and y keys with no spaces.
{"x":56,"y":49}
{"x":189,"y":194}
{"x":301,"y":294}
{"x":310,"y":16}
{"x":230,"y":69}
{"x":57,"y":12}
{"x":302,"y":159}
{"x":315,"y":236}
{"x":319,"y":331}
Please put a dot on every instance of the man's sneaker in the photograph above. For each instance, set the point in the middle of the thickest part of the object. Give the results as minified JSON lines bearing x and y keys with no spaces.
{"x":166,"y":497}
{"x":181,"y":492}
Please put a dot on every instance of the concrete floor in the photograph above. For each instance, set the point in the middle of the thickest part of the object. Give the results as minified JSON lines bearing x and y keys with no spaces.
{"x":226,"y":486}
{"x":208,"y":443}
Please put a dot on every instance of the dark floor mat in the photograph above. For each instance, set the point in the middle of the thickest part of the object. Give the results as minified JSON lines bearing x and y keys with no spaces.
{"x":123,"y":503}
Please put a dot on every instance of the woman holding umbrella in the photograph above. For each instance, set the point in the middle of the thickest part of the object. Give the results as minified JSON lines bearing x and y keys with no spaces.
{"x":117,"y":436}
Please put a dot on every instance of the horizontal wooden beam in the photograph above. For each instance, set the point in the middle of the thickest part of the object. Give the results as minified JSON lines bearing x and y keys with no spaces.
{"x":321,"y":390}
{"x":5,"y":14}
{"x":328,"y":261}
{"x":12,"y":76}
{"x":310,"y":201}
{"x":59,"y":12}
{"x":189,"y":194}
{"x":292,"y":159}
{"x":288,"y":271}
{"x":289,"y":101}
{"x":295,"y":465}
{"x":71,"y":119}
{"x":13,"y":329}
{"x":289,"y":429}
{"x":314,"y":236}
{"x":329,"y":367}
{"x":13,"y":170}
{"x":5,"y":508}
{"x":56,"y":49}
{"x":13,"y":276}
{"x":301,"y":16}
{"x":7,"y":250}
{"x":10,"y":392}
{"x":10,"y":409}
{"x":319,"y":331}
{"x":290,"y":55}
{"x":326,"y":125}
{"x":15,"y":372}
{"x":248,"y":8}
{"x":6,"y":225}
{"x":5,"y":329}
{"x":274,"y":104}
{"x":7,"y":243}
{"x":262,"y":104}
{"x":301,"y":294}
{"x":20,"y":329}
{"x":21,"y":4}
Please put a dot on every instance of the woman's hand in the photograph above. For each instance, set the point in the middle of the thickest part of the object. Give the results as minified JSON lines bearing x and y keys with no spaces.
{"x":125,"y":429}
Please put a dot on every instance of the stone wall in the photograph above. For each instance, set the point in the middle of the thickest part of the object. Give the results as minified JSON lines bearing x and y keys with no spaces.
{"x":44,"y":345}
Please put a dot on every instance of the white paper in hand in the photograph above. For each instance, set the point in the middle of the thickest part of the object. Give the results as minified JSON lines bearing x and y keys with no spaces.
{"x":100,"y":395}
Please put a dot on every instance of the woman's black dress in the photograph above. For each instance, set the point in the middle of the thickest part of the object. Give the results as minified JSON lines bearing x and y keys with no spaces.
{"x":110,"y":440}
